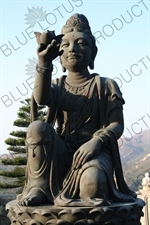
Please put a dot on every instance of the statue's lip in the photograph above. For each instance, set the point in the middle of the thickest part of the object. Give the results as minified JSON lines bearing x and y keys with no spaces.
{"x":74,"y":56}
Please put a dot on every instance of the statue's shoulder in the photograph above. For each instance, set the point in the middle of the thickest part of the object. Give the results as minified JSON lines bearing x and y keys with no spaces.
{"x":109,"y":88}
{"x":106,"y":82}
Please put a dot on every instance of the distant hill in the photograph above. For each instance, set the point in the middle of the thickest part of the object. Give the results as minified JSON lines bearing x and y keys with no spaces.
{"x":135,"y":157}
{"x":135,"y":146}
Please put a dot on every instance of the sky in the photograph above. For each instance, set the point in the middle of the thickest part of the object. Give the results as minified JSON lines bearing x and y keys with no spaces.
{"x":122,"y":32}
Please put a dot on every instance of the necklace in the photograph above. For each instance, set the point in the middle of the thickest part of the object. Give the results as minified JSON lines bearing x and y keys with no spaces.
{"x":77,"y":90}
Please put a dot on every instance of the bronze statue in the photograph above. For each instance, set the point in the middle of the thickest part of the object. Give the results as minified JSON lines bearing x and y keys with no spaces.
{"x":73,"y":156}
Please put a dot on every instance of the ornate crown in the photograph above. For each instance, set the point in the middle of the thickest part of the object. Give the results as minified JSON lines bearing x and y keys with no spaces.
{"x":77,"y":22}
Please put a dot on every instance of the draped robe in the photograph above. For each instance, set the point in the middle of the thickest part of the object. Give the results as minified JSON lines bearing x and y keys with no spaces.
{"x":102,"y":95}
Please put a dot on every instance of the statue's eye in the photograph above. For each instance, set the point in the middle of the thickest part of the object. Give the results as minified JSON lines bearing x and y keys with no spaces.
{"x":82,"y":42}
{"x":64,"y":44}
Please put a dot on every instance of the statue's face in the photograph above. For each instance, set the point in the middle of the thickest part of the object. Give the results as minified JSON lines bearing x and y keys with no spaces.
{"x":76,"y":48}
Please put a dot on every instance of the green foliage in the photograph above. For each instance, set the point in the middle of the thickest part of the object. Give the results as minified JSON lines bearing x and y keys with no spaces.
{"x":19,"y":133}
{"x":18,"y":160}
{"x":25,"y":109}
{"x":17,"y":145}
{"x":22,"y":122}
{"x":15,"y":142}
{"x":17,"y":172}
{"x":23,"y":115}
{"x":27,"y":101}
{"x":17,"y":149}
{"x":6,"y":185}
{"x":12,"y":185}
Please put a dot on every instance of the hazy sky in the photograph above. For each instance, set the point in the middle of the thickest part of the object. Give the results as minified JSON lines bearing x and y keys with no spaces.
{"x":122,"y":32}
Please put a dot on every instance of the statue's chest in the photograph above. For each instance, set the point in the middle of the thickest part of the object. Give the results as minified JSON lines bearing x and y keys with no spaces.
{"x":72,"y":99}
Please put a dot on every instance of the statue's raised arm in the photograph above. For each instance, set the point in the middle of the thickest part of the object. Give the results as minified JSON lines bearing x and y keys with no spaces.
{"x":47,"y":51}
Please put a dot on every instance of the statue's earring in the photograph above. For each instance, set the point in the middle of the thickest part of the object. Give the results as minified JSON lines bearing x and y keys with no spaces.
{"x":91,"y":64}
{"x":94,"y":52}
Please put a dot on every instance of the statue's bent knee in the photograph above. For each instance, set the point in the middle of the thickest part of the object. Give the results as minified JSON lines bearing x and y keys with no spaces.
{"x":39,"y":132}
{"x":93,"y":184}
{"x":38,"y":142}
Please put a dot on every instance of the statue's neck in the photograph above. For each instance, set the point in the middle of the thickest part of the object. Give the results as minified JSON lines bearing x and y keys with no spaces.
{"x":77,"y":78}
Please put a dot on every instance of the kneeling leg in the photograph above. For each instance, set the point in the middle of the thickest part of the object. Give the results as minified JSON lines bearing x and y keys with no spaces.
{"x":93,"y":184}
{"x":38,"y":141}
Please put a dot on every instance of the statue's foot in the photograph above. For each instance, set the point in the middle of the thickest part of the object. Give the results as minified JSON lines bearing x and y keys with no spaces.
{"x":35,"y":197}
{"x":86,"y":202}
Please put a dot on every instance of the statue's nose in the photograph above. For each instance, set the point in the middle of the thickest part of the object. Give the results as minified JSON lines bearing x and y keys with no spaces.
{"x":72,"y":47}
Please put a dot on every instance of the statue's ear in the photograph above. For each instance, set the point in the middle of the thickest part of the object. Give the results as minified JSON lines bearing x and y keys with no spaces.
{"x":94,"y":53}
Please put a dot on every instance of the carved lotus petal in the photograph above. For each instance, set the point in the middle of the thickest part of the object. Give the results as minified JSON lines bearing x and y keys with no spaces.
{"x":92,"y":222}
{"x":78,"y":212}
{"x":108,"y":214}
{"x":123,"y":212}
{"x":65,"y":215}
{"x":13,"y":218}
{"x":64,"y":211}
{"x":132,"y":220}
{"x":96,"y":214}
{"x":116,"y":221}
{"x":62,"y":222}
{"x":45,"y":212}
{"x":51,"y":222}
{"x":71,"y":216}
{"x":43,"y":215}
{"x":138,"y":209}
{"x":30,"y":222}
{"x":24,"y":216}
{"x":20,"y":210}
{"x":17,"y":223}
{"x":81,"y":222}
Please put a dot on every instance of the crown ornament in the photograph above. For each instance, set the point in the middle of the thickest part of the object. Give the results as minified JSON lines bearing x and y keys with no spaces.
{"x":77,"y":22}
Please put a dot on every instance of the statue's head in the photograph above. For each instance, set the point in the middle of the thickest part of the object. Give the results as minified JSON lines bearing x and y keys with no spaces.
{"x":146,"y":174}
{"x":78,"y":25}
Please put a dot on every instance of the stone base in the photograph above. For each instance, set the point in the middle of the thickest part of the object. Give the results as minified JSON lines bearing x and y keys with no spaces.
{"x":115,"y":214}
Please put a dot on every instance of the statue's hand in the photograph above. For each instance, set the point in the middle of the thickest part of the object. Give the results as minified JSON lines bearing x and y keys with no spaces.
{"x":46,"y":54}
{"x":86,"y":151}
{"x":48,"y":48}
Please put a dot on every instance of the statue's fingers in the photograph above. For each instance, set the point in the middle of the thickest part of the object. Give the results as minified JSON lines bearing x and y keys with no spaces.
{"x":52,"y":49}
{"x":86,"y":158}
{"x":75,"y":158}
{"x":54,"y":43}
{"x":81,"y":160}
{"x":41,"y":47}
{"x":57,"y":52}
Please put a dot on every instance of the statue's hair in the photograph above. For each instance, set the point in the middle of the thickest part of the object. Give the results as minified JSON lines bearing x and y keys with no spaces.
{"x":78,"y":22}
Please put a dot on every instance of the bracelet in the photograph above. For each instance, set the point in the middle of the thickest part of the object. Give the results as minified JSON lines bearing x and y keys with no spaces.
{"x":44,"y":70}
